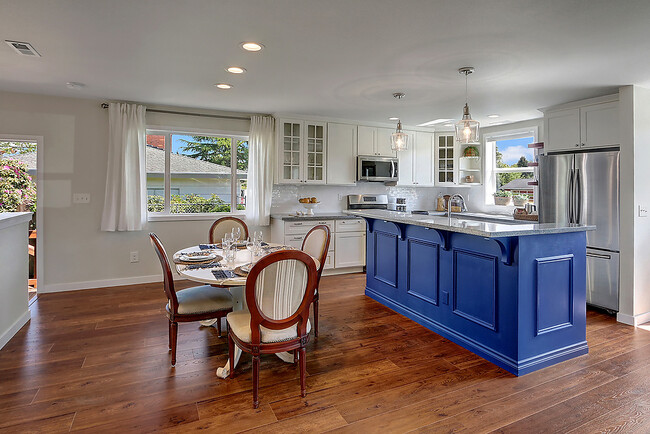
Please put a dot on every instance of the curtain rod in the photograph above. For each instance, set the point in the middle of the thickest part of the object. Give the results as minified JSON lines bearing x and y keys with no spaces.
{"x":171,"y":112}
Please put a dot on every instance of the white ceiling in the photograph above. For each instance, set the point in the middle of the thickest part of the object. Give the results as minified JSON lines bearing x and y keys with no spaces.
{"x":334,"y":58}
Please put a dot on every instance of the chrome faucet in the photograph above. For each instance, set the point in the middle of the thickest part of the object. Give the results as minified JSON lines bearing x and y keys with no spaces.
{"x":455,"y":198}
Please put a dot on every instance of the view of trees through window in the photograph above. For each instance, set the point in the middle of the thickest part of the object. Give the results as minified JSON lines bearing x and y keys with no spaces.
{"x":202,"y":176}
{"x":511,"y":165}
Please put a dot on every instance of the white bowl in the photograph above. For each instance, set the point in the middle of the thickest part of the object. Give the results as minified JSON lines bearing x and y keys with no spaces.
{"x":310,"y":207}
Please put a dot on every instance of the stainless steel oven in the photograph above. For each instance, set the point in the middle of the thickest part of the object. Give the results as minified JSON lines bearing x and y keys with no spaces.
{"x":380,"y":169}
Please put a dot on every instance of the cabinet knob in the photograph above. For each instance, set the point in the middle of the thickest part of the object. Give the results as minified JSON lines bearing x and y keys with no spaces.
{"x":582,"y":144}
{"x":577,"y":145}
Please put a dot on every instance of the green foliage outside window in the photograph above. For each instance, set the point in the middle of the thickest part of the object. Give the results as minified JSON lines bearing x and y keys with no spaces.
{"x":504,"y":178}
{"x":190,"y":204}
{"x":16,"y":187}
{"x":216,"y":150}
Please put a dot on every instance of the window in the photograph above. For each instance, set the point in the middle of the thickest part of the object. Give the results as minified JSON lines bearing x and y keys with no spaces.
{"x":510,"y":157}
{"x":195,"y":173}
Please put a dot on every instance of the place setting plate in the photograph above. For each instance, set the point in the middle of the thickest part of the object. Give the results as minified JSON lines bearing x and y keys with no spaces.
{"x":197,"y":258}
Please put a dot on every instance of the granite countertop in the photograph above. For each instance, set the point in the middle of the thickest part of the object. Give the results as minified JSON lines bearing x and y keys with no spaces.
{"x":323,"y":216}
{"x":473,"y":226}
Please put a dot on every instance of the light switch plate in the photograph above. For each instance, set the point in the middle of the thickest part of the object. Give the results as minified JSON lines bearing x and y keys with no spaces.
{"x":81,"y":198}
{"x":643,"y":211}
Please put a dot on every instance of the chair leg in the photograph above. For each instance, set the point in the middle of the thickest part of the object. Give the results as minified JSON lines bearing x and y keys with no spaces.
{"x":170,"y":336}
{"x":295,"y":356}
{"x":316,"y":317}
{"x":256,"y":381}
{"x":174,"y":338}
{"x":303,"y":371}
{"x":219,"y":326}
{"x":231,"y":354}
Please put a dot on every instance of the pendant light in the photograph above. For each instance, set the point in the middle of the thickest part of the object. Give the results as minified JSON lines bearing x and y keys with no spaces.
{"x":466,"y":128}
{"x":399,"y":140}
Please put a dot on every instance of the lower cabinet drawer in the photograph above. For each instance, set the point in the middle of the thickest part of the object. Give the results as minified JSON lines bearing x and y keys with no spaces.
{"x":350,"y":225}
{"x":303,"y":227}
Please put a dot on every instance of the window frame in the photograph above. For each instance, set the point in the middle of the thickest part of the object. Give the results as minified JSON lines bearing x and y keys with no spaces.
{"x":489,"y":141}
{"x":166,"y":215}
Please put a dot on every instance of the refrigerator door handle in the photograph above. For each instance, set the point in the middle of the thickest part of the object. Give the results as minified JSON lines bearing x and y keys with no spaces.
{"x":599,"y":255}
{"x":578,"y":197}
{"x":570,"y":197}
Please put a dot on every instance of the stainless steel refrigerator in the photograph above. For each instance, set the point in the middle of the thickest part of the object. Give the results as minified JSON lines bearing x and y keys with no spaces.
{"x":583,"y":187}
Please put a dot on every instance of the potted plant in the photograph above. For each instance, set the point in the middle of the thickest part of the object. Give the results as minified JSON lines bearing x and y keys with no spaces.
{"x":520,"y":199}
{"x":502,"y":197}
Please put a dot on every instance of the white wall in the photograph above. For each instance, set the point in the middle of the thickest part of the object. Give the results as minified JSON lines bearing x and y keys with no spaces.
{"x":76,"y":254}
{"x":14,"y":261}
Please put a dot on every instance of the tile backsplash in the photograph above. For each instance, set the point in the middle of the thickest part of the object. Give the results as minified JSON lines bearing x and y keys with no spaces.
{"x":333,"y":198}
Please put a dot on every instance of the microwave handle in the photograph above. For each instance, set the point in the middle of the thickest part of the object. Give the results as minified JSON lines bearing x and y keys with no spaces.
{"x":393,"y":169}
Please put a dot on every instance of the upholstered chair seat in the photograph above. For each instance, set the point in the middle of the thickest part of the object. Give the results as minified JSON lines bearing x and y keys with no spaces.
{"x":202,"y":299}
{"x":240,"y":325}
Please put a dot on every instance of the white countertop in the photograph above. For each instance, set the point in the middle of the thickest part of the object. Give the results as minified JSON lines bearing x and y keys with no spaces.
{"x":8,"y":219}
{"x":471,"y":226}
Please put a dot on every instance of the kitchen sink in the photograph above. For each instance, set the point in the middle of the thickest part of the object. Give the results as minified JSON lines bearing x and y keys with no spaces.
{"x":480,"y":217}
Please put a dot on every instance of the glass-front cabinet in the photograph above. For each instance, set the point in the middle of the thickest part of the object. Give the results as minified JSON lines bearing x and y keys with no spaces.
{"x":302,"y":154}
{"x":445,"y":159}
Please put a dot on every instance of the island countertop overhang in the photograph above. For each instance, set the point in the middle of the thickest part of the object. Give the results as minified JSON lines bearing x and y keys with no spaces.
{"x":470,"y":227}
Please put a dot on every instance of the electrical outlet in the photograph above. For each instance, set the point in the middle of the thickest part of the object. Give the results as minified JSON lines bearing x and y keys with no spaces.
{"x":643,"y":211}
{"x":340,"y":196}
{"x":135,"y":256}
{"x":81,"y":198}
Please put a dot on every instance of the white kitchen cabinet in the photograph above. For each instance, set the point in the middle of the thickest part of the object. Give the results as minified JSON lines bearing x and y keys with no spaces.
{"x":350,"y":249}
{"x":416,"y":165}
{"x":292,"y":233}
{"x":302,"y":152}
{"x":588,"y":126}
{"x":341,"y":154}
{"x":445,"y":159}
{"x":599,"y":125}
{"x":374,"y":141}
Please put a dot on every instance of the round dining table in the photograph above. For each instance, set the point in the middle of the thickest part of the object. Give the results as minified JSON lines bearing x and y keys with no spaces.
{"x":203,"y":273}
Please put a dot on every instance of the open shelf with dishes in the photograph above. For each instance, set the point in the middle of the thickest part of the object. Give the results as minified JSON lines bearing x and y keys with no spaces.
{"x":470,"y":164}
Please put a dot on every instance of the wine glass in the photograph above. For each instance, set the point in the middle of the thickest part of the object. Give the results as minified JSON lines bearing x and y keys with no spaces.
{"x":250,"y":245}
{"x":257,"y":239}
{"x":236,"y":234}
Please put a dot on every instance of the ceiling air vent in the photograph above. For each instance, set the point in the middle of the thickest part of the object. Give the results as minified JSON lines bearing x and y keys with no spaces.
{"x":23,"y":48}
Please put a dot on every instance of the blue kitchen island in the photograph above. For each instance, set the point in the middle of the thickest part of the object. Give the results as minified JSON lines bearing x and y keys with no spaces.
{"x":512,"y":293}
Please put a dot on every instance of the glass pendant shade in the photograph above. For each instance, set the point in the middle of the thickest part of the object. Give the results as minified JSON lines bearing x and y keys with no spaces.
{"x":399,"y":140}
{"x":467,"y":129}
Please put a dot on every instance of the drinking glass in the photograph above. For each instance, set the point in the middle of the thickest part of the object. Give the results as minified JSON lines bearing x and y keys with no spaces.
{"x":257,"y":239}
{"x":236,"y":234}
{"x":231,"y":253}
{"x":250,"y":245}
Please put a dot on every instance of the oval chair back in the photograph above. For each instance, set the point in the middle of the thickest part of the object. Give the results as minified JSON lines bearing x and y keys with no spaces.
{"x":279,"y":291}
{"x":224,"y":225}
{"x":316,"y":244}
{"x":170,"y":292}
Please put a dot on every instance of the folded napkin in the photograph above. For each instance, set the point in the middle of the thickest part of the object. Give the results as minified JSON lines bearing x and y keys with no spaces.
{"x":209,"y":246}
{"x":222,"y":274}
{"x":199,"y":266}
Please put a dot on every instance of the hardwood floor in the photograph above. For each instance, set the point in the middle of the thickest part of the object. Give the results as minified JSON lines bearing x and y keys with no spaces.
{"x":97,"y":361}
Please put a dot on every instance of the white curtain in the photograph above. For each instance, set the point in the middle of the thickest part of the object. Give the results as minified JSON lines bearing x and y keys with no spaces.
{"x":126,"y":185}
{"x":260,"y":170}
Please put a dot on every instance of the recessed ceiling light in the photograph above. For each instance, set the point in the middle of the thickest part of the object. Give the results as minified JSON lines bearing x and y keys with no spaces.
{"x":434,"y":122}
{"x":236,"y":69}
{"x":493,"y":116}
{"x":223,"y":85}
{"x":252,"y":46}
{"x":75,"y":85}
{"x":393,"y":119}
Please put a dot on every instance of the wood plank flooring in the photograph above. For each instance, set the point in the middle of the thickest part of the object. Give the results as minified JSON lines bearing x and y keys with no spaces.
{"x":97,"y":361}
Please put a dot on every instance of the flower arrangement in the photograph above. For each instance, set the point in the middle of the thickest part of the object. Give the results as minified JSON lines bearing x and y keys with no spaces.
{"x":471,"y":151}
{"x":17,"y":189}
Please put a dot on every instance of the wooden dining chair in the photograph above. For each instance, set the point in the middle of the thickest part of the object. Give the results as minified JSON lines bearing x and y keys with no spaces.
{"x":197,"y":303}
{"x":316,"y":244}
{"x":279,"y":289}
{"x":224,"y":225}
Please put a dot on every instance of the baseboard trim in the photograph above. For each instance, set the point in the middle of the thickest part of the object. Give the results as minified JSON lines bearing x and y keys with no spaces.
{"x":633,"y":320}
{"x":91,"y":284}
{"x":11,"y":331}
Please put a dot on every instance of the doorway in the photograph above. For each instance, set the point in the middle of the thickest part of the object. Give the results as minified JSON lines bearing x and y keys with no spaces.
{"x":20,"y":191}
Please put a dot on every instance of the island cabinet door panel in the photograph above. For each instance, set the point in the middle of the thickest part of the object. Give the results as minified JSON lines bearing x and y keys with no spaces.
{"x":422,"y":271}
{"x":552,"y":296}
{"x":382,"y":245}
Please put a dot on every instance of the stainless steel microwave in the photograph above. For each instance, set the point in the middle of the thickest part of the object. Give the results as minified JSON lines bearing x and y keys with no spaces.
{"x":373,"y":168}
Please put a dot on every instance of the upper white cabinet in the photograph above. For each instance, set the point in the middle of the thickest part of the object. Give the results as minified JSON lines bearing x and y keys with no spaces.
{"x":375,"y":141}
{"x":341,"y":154}
{"x":302,"y":152}
{"x":416,"y":165}
{"x":445,"y":157}
{"x":589,"y":126}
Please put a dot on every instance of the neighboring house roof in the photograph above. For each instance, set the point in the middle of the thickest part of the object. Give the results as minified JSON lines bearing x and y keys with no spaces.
{"x":518,"y":184}
{"x":182,"y":164}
